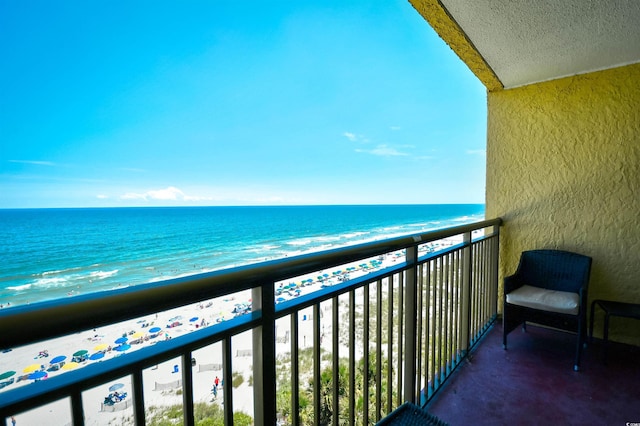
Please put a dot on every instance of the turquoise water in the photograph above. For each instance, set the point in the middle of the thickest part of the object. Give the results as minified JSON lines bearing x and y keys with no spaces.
{"x":52,"y":253}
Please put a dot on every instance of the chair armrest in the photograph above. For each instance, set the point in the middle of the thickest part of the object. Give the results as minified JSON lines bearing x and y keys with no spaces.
{"x":511,"y":283}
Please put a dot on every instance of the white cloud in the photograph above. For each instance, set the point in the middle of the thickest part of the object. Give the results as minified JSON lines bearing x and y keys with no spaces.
{"x":383,"y":151}
{"x":102,"y":196}
{"x":351,"y":136}
{"x":33,"y":162}
{"x":170,"y":193}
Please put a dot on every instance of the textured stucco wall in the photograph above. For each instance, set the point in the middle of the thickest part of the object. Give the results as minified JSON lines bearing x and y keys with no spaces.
{"x":563,"y":170}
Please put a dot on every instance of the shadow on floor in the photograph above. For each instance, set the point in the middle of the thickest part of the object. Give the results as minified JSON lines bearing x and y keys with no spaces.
{"x":533,"y":383}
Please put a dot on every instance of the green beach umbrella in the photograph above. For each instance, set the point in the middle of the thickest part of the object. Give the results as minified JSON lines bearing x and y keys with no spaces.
{"x":81,"y":352}
{"x":7,"y":374}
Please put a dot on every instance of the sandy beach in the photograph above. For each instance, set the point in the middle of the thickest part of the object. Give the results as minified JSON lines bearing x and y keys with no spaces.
{"x":162,"y":386}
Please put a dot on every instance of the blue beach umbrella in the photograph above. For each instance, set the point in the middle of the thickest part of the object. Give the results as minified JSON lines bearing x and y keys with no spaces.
{"x":96,"y":356}
{"x":115,"y":387}
{"x":193,"y":319}
{"x":58,"y":359}
{"x":37,"y":375}
{"x":121,"y":340}
{"x":155,"y":330}
{"x":122,"y":347}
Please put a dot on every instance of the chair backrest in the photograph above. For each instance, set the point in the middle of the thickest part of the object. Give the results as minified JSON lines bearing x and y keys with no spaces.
{"x":555,"y":270}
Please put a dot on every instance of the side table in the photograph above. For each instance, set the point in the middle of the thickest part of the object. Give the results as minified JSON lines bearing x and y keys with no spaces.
{"x":612,"y":309}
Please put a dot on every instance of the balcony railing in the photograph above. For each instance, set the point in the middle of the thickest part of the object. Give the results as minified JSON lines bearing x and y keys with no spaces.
{"x":379,"y":333}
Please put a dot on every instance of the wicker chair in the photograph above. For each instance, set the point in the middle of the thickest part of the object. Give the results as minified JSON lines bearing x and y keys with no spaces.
{"x":549,"y":288}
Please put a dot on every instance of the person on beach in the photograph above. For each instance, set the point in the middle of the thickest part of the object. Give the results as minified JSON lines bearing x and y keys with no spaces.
{"x":216,"y":382}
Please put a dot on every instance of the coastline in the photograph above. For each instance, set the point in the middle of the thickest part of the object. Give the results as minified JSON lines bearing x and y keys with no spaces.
{"x":65,"y":253}
{"x":206,"y":313}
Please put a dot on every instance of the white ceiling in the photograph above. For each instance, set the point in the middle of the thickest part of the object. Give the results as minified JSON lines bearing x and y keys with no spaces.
{"x":528,"y":41}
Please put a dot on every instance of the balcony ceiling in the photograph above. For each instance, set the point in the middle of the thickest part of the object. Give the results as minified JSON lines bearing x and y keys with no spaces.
{"x":526,"y":42}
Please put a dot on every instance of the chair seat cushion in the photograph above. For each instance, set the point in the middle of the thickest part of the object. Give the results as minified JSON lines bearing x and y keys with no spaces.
{"x":562,"y":302}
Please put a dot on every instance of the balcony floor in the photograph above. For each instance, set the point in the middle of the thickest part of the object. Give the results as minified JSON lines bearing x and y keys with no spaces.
{"x":533,"y":383}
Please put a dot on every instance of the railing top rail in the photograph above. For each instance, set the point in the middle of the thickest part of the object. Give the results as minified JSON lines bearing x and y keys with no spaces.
{"x":49,"y":319}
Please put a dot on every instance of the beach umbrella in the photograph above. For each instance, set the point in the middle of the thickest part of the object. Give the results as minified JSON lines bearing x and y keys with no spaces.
{"x":137,"y":335}
{"x":193,"y":319}
{"x":115,"y":387}
{"x":155,"y":330}
{"x":37,"y":375}
{"x":121,"y":340}
{"x":226,"y":315}
{"x":81,"y":352}
{"x":31,"y":368}
{"x":7,"y":374}
{"x":100,"y":347}
{"x":70,"y":366}
{"x":96,"y":356}
{"x":122,"y":347}
{"x":58,"y":359}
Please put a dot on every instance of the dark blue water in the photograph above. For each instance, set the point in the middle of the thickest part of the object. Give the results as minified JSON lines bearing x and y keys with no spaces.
{"x":51,"y":253}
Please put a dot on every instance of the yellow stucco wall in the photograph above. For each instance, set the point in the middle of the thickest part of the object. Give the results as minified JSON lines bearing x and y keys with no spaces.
{"x":563,"y":170}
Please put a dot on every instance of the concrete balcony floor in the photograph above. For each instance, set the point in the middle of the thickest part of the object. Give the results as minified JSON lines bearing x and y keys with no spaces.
{"x":533,"y":383}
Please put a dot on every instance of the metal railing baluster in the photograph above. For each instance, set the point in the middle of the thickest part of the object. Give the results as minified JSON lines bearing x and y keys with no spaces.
{"x":317,"y":382}
{"x":295,"y":370}
{"x":187,"y":389}
{"x":227,"y":374}
{"x":352,"y":357}
{"x":378,"y":350}
{"x":390,"y":306}
{"x":335,"y":358}
{"x":365,"y":355}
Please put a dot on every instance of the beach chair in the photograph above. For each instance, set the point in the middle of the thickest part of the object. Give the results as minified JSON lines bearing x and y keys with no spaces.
{"x":548,"y":288}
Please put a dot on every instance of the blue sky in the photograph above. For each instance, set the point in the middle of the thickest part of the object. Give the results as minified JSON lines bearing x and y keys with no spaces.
{"x":151,"y":103}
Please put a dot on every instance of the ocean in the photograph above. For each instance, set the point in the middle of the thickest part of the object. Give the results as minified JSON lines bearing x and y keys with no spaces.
{"x":54,"y":253}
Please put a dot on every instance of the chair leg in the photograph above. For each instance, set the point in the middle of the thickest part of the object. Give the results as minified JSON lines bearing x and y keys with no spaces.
{"x":581,"y":338}
{"x":504,"y":332}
